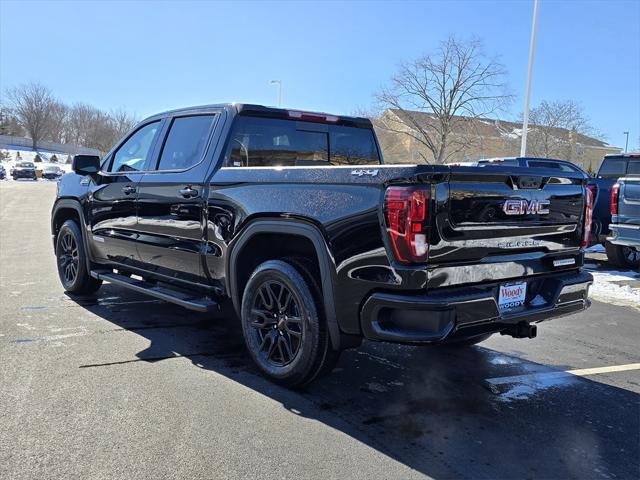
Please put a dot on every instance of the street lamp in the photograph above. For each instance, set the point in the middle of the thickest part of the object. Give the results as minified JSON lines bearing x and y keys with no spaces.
{"x":279,"y":82}
{"x":532,"y":49}
{"x":626,"y":142}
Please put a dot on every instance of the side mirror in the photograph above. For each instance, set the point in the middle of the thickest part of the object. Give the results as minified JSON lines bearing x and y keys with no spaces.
{"x":86,"y":164}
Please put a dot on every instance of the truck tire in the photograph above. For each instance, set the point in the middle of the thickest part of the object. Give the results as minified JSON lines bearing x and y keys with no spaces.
{"x":72,"y":261}
{"x":283,"y":326}
{"x":622,"y":256}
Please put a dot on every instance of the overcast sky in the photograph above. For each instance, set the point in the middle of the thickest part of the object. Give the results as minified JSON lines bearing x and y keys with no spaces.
{"x":332,"y":56}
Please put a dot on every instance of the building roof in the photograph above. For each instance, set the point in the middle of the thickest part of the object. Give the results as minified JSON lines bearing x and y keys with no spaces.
{"x":488,"y":127}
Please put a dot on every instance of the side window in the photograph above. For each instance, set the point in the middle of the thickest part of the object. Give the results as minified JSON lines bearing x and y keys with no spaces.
{"x":612,"y":168}
{"x":132,"y":155}
{"x":352,"y":146}
{"x":186,"y":142}
{"x":634,"y":167}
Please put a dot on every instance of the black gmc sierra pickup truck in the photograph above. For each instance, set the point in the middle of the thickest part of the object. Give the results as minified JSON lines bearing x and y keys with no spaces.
{"x":293,"y":218}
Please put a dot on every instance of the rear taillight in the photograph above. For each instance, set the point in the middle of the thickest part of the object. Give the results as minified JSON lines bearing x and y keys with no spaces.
{"x":406,"y":214}
{"x":615,"y":194}
{"x":588,"y":214}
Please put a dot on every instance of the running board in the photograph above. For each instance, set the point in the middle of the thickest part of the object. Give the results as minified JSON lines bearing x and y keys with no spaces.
{"x":184,"y":299}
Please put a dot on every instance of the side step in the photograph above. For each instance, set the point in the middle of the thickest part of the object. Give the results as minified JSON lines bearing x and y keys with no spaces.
{"x":184,"y":299}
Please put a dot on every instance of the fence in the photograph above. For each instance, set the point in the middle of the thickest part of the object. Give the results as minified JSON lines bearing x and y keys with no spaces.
{"x":8,"y":141}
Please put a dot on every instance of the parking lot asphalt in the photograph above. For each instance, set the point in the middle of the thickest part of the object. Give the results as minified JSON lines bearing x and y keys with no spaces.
{"x":123,"y":386}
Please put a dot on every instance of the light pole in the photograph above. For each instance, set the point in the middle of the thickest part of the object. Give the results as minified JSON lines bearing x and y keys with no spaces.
{"x":626,"y":142}
{"x":532,"y":49}
{"x":279,"y":82}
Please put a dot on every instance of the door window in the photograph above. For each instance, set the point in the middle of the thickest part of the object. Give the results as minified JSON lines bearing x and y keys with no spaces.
{"x":132,"y":155}
{"x":186,"y":142}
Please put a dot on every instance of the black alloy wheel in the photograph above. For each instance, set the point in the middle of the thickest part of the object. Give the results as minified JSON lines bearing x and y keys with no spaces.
{"x":277,"y":323}
{"x":283,"y":324}
{"x":68,"y":260}
{"x":72,"y":261}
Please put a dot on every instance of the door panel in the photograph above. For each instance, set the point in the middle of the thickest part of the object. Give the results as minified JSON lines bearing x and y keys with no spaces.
{"x":113,"y":218}
{"x":169,"y":204}
{"x":112,"y":206}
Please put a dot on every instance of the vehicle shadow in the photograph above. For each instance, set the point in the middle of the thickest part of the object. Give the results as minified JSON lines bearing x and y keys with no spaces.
{"x":433,"y":409}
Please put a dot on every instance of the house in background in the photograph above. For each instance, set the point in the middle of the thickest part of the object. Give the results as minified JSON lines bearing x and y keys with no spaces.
{"x":399,"y":132}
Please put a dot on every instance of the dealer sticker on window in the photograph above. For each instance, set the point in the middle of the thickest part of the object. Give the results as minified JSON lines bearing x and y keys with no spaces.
{"x":512,"y":296}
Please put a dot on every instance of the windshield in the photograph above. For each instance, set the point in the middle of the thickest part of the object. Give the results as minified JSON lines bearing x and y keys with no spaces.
{"x":25,"y":165}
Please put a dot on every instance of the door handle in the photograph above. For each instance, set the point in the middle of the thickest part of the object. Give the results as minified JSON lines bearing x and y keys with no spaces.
{"x":188,"y":192}
{"x":128,"y":189}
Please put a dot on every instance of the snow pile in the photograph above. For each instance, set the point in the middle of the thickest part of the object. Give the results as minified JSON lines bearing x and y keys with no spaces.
{"x":598,"y":248}
{"x":609,"y":287}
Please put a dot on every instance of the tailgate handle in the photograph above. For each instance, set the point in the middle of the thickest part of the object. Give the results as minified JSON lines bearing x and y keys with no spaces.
{"x":529,"y":182}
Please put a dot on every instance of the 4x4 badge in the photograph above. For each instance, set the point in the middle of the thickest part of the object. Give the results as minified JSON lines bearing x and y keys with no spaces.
{"x":361,"y":172}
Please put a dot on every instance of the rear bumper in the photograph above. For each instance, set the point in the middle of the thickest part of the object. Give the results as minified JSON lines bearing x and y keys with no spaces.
{"x":622,"y":234}
{"x":447,"y":314}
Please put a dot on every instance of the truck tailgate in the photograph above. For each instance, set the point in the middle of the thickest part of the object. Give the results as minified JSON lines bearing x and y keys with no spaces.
{"x":516,"y":220}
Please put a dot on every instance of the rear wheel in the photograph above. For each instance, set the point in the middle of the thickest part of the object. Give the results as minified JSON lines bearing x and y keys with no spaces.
{"x":283,"y":326}
{"x":623,"y":256}
{"x":72,"y":261}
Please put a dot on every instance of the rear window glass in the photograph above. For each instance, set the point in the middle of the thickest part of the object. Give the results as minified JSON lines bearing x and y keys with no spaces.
{"x":557,"y":165}
{"x":612,"y":168}
{"x":269,"y":142}
{"x":634,"y":167}
{"x":510,"y":162}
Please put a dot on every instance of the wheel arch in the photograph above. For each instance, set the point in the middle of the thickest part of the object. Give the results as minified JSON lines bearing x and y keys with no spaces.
{"x":286,"y":228}
{"x":69,"y":209}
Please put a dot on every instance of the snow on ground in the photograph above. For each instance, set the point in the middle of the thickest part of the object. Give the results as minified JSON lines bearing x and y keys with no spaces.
{"x":599,"y":248}
{"x":619,"y":288}
{"x":30,"y":155}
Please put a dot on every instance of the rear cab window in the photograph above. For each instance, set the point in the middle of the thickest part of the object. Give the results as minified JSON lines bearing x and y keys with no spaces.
{"x":273,"y":142}
{"x":554,"y":165}
{"x":634,"y":167}
{"x":613,"y":167}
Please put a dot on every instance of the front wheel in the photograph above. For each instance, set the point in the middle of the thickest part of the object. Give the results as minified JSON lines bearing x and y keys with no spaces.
{"x":622,"y":255}
{"x":72,"y":261}
{"x":282,"y":324}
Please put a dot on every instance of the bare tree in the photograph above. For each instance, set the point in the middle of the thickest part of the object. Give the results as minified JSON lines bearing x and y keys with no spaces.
{"x":32,"y":105}
{"x":449,"y":89}
{"x":121,"y":122}
{"x":8,"y":123}
{"x":555,"y":128}
{"x":58,"y":127}
{"x":90,"y":127}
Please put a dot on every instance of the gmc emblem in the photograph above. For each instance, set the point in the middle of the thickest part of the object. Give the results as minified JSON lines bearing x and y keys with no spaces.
{"x":525,"y":207}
